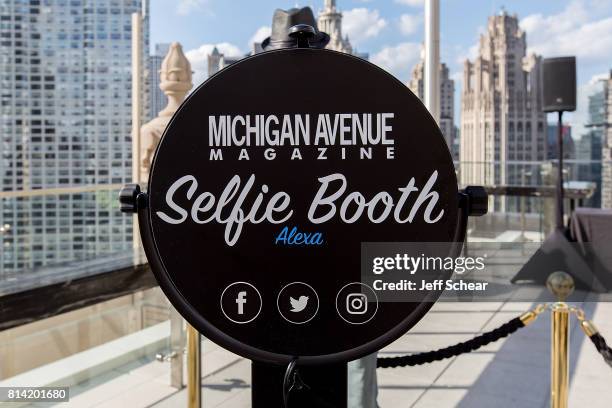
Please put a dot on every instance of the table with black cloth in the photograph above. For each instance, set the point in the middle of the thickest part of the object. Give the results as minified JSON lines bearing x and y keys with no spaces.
{"x":591,"y":229}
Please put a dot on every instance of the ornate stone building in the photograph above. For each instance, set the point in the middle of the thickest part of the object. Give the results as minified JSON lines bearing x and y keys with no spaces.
{"x":606,"y":169}
{"x":502,"y":123}
{"x":217,"y":60}
{"x":330,"y":22}
{"x":447,"y":100}
{"x":155,"y":98}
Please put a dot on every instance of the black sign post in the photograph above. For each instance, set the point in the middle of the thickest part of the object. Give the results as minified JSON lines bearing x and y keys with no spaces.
{"x":264,"y":187}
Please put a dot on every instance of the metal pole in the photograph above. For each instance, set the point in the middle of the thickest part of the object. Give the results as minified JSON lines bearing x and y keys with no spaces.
{"x":432,"y":58}
{"x":177,"y":346}
{"x":559,"y":213}
{"x":559,"y":359}
{"x":523,"y":209}
{"x":327,"y":386}
{"x":524,"y":175}
{"x":194,"y":374}
{"x":136,"y":116}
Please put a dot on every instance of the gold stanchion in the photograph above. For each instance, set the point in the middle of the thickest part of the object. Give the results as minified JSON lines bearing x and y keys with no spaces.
{"x":559,"y":358}
{"x":561,"y":285}
{"x":194,"y":375}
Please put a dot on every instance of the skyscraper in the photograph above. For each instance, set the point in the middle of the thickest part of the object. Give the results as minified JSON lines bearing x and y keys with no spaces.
{"x":156,"y":99}
{"x":569,"y":147}
{"x":447,"y":99}
{"x":330,"y":22}
{"x":606,"y":151}
{"x":589,"y":146}
{"x":217,"y":60}
{"x":65,"y":120}
{"x":502,"y":123}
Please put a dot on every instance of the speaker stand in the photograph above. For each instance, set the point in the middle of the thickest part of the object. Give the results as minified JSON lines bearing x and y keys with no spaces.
{"x":557,"y":253}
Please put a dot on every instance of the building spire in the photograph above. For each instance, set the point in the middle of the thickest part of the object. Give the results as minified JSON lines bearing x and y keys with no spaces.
{"x":330,"y":22}
{"x":330,"y":4}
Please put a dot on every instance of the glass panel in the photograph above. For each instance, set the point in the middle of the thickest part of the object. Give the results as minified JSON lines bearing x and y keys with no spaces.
{"x":45,"y":236}
{"x":65,"y":249}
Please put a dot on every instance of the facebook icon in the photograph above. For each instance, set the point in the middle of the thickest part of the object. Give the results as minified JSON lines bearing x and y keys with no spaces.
{"x":240,"y":301}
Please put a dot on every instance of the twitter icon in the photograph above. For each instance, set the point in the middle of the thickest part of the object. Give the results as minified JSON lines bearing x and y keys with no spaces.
{"x":299,"y":304}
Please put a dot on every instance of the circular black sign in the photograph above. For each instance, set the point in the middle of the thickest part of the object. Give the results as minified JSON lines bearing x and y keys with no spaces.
{"x":265,"y":185}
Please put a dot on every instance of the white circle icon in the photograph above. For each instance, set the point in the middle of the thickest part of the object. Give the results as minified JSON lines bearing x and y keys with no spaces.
{"x":356,"y":303}
{"x":297,"y":302}
{"x":240,"y":302}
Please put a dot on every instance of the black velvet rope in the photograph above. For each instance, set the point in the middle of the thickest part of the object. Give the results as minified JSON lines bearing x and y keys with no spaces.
{"x":602,"y":347}
{"x":451,"y":351}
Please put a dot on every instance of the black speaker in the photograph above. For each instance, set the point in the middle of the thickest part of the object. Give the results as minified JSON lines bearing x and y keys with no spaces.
{"x":559,"y":84}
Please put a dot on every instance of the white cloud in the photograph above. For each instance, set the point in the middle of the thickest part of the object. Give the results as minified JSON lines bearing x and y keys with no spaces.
{"x":471,"y":53}
{"x":600,"y":6}
{"x":409,"y":23}
{"x":457,"y":76}
{"x":574,"y":31}
{"x":411,"y":3}
{"x":583,"y":29}
{"x":261,"y":34}
{"x":199,"y":58}
{"x":185,"y":7}
{"x":398,"y":59}
{"x":361,"y":23}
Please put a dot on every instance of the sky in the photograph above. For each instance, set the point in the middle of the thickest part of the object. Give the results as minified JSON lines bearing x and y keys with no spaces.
{"x":391,"y":31}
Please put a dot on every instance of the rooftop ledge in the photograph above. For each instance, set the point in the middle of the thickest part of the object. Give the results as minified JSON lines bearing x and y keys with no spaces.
{"x":85,"y":365}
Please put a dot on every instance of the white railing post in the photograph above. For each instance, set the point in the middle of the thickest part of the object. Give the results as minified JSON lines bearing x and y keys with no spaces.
{"x":136,"y":118}
{"x":432,"y":57}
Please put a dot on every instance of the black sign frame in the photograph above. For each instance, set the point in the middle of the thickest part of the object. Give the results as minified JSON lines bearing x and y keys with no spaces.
{"x":218,"y":336}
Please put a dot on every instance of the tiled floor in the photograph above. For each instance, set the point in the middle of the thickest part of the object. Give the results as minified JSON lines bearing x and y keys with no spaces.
{"x":513,"y":372}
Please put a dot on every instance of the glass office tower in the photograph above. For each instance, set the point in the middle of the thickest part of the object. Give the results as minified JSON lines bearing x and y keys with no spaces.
{"x":65,"y":121}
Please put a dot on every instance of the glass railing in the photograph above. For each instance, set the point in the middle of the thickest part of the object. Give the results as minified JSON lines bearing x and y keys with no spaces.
{"x":72,"y":247}
{"x":74,"y":307}
{"x":81,"y":228}
{"x":522,"y":195}
{"x":59,"y":347}
{"x":47,"y":228}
